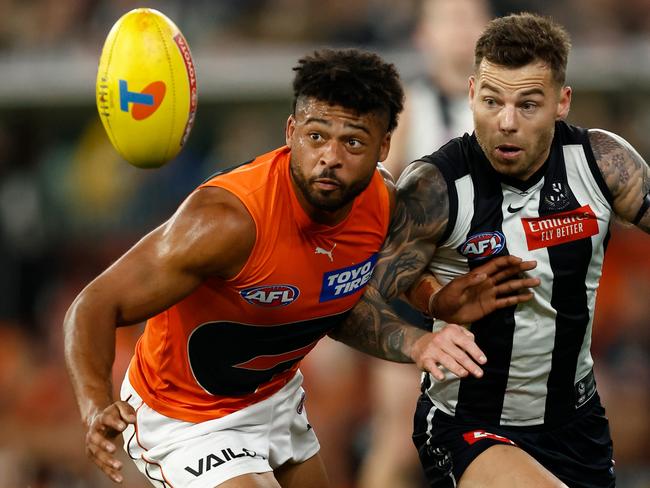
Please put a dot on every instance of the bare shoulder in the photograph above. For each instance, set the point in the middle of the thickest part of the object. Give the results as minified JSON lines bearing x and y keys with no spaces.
{"x":212,"y":231}
{"x":423,"y":199}
{"x":624,"y":170}
{"x":418,"y":223}
{"x":389,"y":181}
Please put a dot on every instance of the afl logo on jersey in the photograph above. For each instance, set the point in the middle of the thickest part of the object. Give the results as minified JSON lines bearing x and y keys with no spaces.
{"x":482,"y":245}
{"x":271,"y":295}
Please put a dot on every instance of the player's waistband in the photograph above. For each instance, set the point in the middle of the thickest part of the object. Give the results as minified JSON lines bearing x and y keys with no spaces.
{"x":586,"y":399}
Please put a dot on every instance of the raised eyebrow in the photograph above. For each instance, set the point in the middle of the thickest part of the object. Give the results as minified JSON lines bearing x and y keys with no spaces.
{"x":317,"y":120}
{"x":532,"y":91}
{"x":525,"y":93}
{"x":357,"y":126}
{"x":329,"y":123}
{"x":486,"y":86}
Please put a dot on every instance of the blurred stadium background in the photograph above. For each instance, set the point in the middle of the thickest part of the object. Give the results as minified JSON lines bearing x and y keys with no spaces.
{"x":69,"y":205}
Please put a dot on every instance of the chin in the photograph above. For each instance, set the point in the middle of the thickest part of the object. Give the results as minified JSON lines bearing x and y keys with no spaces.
{"x":507,"y":169}
{"x":327,"y":204}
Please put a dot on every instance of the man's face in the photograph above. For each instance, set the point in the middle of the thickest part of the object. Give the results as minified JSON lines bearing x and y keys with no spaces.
{"x":334,"y":152}
{"x":514,"y":115}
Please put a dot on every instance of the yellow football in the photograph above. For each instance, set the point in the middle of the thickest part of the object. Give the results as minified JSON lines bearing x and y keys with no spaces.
{"x":146,"y":88}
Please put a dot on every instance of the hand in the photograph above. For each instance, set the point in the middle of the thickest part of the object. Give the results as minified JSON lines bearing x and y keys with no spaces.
{"x":496,"y":284}
{"x":452,"y":347}
{"x":105,"y":426}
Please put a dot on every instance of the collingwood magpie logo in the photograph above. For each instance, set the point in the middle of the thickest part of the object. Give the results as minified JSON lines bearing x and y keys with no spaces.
{"x":558,"y":196}
{"x":212,"y":460}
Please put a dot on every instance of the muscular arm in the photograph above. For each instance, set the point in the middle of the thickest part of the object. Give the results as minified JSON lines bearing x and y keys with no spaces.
{"x":626,"y":174}
{"x":419,"y":219}
{"x":211,"y":234}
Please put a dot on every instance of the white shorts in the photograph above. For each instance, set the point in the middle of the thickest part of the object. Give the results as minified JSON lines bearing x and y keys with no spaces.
{"x":259,"y":438}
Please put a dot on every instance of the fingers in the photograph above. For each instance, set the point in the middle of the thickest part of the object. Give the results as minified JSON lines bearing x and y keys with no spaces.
{"x":127,"y":412}
{"x":512,"y":300}
{"x":516,"y":286}
{"x":497,"y":264}
{"x":505,"y":273}
{"x":106,"y":426}
{"x":101,"y":453}
{"x":508,"y":264}
{"x":454,"y":349}
{"x":444,"y":361}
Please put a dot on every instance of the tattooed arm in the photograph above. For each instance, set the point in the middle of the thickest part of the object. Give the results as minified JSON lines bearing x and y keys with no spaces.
{"x":419,"y":220}
{"x":626,"y":174}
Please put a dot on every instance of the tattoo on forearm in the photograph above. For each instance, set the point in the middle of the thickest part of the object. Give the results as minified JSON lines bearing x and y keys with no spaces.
{"x":626,"y":174}
{"x":373,"y":328}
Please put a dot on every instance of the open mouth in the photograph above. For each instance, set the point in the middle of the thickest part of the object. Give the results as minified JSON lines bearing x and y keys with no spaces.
{"x":508,"y":150}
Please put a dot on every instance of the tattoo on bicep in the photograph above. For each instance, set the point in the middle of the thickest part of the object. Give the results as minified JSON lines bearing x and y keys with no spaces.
{"x":421,"y":214}
{"x":420,"y":217}
{"x":626,"y":174}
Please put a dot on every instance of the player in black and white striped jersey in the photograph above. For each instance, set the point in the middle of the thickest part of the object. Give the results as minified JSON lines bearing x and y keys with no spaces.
{"x":528,"y":184}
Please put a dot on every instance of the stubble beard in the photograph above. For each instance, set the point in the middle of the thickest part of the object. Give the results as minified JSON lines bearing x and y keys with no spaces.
{"x":326,"y":201}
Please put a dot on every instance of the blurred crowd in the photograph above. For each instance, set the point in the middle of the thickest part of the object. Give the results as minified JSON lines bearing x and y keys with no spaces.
{"x":74,"y":24}
{"x":69,"y":206}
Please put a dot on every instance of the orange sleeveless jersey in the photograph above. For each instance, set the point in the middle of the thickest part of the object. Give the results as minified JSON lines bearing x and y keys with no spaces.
{"x":232,"y":343}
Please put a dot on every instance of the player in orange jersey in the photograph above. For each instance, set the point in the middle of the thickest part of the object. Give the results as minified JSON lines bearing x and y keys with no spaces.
{"x":254,"y":268}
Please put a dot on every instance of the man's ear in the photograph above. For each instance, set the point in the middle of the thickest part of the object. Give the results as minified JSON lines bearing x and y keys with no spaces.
{"x":471,"y":91}
{"x":564,"y":104}
{"x":289,"y":129}
{"x":385,"y":146}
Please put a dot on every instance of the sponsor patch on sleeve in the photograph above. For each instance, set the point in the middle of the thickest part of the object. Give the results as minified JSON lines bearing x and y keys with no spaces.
{"x":559,"y":228}
{"x":345,"y":281}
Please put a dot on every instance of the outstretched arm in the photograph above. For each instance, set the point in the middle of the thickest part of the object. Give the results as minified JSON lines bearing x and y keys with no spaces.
{"x":626,"y":174}
{"x":210,"y":234}
{"x":419,"y":221}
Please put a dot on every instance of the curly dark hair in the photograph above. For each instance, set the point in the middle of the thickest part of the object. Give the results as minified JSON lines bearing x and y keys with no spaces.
{"x":518,"y":39}
{"x":352,"y":78}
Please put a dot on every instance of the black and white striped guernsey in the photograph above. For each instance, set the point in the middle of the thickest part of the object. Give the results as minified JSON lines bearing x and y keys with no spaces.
{"x":539,"y":368}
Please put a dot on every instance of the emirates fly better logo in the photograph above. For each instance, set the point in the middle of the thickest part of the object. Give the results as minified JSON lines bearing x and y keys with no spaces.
{"x":559,"y":228}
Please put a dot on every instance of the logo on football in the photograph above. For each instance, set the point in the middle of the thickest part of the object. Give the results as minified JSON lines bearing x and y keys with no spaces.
{"x":144,"y":56}
{"x":145,"y":102}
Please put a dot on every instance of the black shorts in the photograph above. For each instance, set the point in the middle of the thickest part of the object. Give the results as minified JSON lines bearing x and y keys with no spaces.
{"x":579,"y":453}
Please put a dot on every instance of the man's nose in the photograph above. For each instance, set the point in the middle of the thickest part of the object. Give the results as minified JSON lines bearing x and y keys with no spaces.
{"x":508,"y":119}
{"x":331,"y":154}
